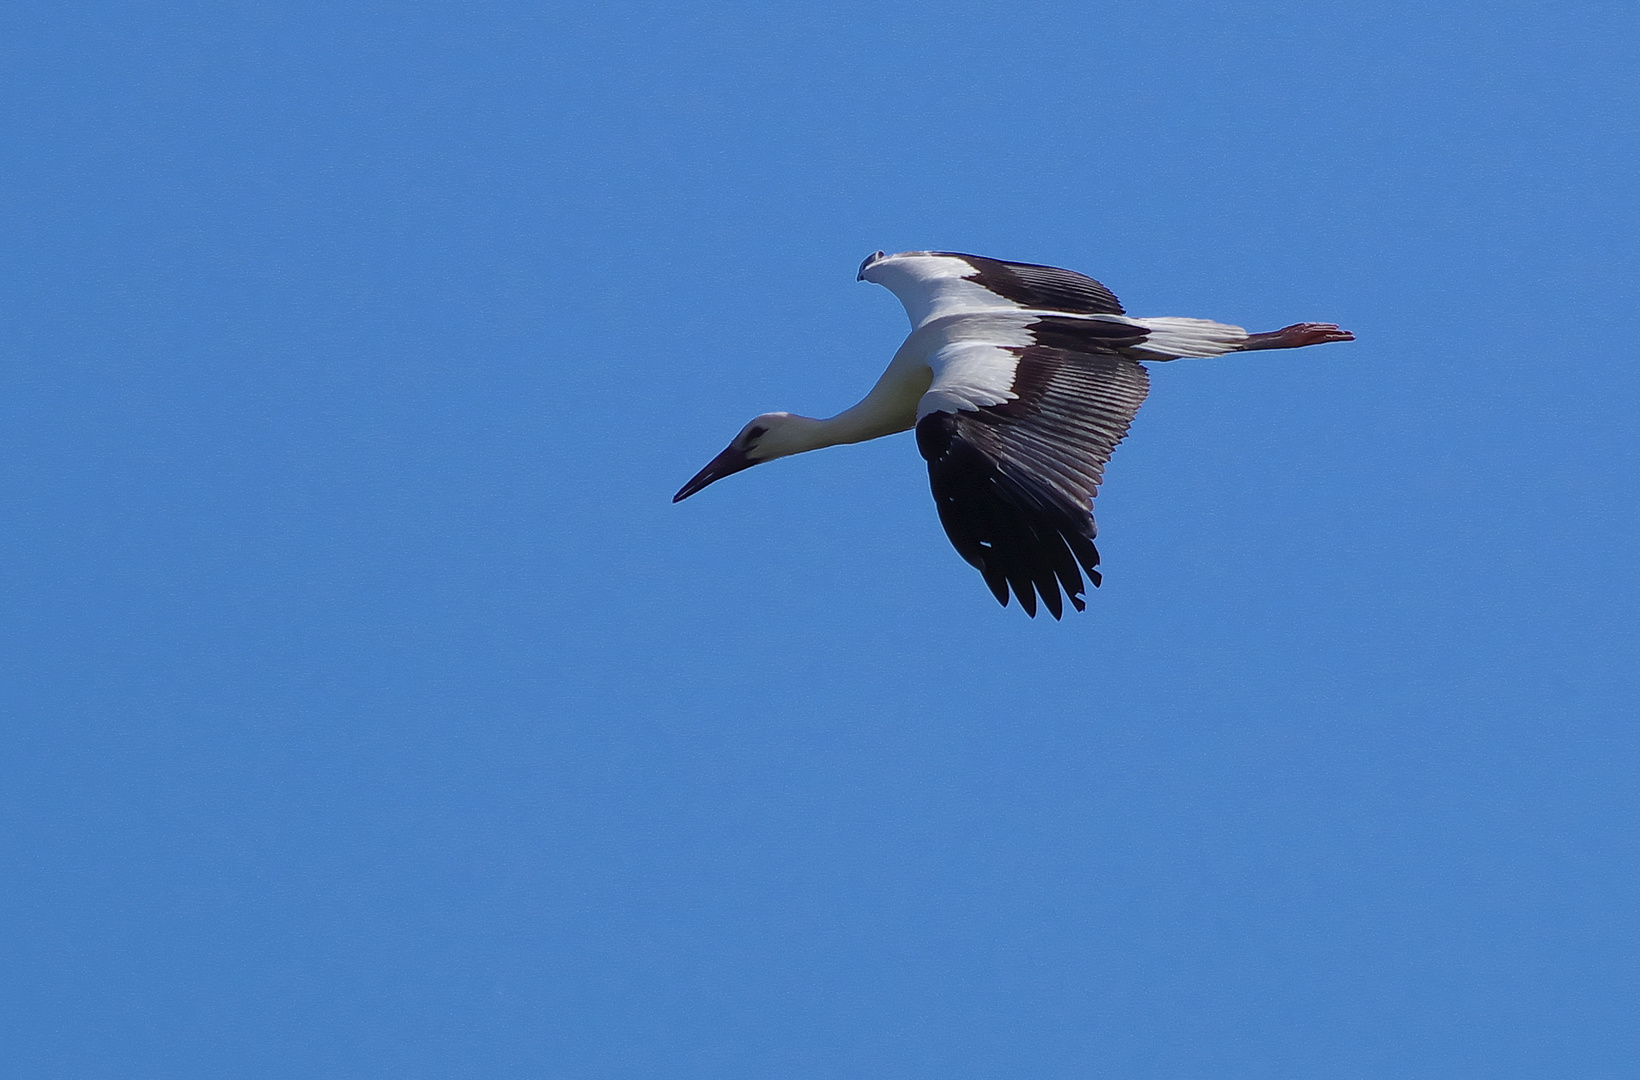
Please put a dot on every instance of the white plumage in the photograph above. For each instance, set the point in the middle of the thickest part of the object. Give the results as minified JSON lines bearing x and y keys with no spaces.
{"x":1020,"y":380}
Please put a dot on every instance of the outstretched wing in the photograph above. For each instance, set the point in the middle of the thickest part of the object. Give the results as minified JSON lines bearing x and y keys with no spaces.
{"x":934,"y":284}
{"x":1042,"y":288}
{"x":1017,"y":437}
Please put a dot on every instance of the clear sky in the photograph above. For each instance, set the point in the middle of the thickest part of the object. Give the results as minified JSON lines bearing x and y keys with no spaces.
{"x":369,"y":710}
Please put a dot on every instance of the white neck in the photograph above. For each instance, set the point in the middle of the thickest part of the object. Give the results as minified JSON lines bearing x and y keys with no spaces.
{"x":890,"y":407}
{"x":799,"y":434}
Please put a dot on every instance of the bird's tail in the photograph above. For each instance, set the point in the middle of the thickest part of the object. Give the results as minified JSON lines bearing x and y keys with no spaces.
{"x":1172,"y":338}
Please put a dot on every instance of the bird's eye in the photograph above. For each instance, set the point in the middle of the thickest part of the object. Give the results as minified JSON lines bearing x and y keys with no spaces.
{"x":755,"y":434}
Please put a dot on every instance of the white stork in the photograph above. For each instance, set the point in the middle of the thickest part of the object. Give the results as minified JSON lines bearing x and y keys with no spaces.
{"x":1020,"y":380}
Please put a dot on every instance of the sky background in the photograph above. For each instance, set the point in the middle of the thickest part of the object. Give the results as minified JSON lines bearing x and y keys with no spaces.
{"x":369,"y":711}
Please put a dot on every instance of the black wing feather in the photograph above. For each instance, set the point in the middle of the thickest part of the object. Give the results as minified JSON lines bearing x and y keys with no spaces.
{"x":1014,"y":483}
{"x":1046,"y":288}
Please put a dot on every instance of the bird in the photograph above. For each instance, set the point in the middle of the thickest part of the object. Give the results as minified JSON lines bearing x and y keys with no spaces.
{"x":1020,"y":380}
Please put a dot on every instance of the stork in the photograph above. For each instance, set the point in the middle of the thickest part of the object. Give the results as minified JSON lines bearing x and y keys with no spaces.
{"x":1020,"y":380}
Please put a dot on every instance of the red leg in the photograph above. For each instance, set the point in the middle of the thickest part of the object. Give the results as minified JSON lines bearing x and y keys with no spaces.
{"x":1297,"y":336}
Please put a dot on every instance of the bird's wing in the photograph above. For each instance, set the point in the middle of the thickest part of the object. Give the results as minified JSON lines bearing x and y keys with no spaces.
{"x":1041,"y":288}
{"x":1016,"y":434}
{"x":934,"y":284}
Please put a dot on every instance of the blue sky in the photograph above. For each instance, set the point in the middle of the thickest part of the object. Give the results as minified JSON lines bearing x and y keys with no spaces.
{"x":370,"y":711}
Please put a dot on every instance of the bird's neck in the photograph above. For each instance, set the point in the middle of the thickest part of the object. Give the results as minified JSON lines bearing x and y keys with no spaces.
{"x":799,"y":434}
{"x":890,"y":407}
{"x":870,"y":419}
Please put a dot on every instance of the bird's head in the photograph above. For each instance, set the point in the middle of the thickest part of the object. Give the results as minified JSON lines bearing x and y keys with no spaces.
{"x":772,"y":435}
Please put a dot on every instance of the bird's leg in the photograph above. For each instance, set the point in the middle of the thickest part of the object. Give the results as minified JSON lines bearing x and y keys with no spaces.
{"x":1296,"y":336}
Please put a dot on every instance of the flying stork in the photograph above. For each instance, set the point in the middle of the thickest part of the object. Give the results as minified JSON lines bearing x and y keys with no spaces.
{"x":1020,"y":380}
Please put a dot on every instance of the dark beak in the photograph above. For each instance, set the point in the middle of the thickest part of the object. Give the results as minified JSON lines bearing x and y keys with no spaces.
{"x":725,"y":464}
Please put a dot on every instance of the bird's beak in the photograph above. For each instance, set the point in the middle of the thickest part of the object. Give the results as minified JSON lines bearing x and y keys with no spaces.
{"x":725,"y":464}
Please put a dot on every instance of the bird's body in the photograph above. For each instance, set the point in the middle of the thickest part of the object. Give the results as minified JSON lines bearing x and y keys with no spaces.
{"x":1019,"y":380}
